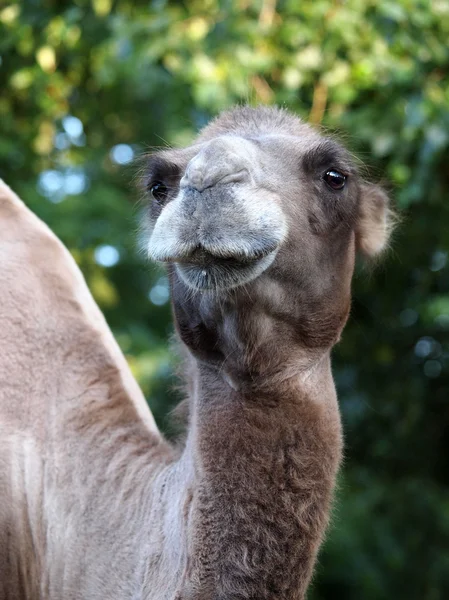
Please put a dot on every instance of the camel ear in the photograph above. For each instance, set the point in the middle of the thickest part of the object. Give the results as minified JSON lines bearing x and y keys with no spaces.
{"x":375,"y":220}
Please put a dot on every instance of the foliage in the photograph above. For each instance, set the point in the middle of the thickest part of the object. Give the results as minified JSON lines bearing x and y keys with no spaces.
{"x":88,"y":85}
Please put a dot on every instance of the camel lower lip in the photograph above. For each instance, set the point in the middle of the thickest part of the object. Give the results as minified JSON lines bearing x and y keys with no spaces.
{"x":221,"y":274}
{"x":208,"y":276}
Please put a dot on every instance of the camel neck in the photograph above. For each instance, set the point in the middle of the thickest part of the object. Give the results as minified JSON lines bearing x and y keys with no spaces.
{"x":273,"y":456}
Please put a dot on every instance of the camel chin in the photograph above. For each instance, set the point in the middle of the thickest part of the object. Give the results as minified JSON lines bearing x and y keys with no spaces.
{"x":220,"y":274}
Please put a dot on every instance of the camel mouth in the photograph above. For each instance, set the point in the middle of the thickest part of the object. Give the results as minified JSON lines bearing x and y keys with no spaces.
{"x":207,"y":272}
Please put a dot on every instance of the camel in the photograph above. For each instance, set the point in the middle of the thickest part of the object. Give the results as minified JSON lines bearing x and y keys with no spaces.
{"x":258,"y":223}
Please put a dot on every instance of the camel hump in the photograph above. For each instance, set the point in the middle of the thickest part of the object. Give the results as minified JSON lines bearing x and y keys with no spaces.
{"x":11,"y":209}
{"x":22,"y":233}
{"x":8,"y":198}
{"x":46,"y":304}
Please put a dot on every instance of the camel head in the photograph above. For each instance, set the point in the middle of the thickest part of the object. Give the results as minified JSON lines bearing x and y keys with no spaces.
{"x":263,"y":208}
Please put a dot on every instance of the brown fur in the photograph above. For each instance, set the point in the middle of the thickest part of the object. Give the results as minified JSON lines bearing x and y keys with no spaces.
{"x":264,"y":425}
{"x":94,"y":502}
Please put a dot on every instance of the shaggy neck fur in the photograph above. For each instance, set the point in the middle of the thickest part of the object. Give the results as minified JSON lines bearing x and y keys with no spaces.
{"x":264,"y":468}
{"x":263,"y":448}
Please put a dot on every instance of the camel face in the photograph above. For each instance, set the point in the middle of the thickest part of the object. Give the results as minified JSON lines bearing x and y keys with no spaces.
{"x":258,"y":192}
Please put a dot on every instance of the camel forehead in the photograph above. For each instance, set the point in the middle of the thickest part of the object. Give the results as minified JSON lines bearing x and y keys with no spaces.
{"x":275,"y":137}
{"x":273,"y":130}
{"x":255,"y":122}
{"x":273,"y":145}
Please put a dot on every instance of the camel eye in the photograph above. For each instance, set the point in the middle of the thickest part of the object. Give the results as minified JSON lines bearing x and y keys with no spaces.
{"x":335,"y":179}
{"x":159,"y":191}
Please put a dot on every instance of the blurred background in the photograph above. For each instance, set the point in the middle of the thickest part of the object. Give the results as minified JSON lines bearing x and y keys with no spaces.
{"x":87,"y":86}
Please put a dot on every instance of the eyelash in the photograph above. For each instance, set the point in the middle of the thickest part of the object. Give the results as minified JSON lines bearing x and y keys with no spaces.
{"x":335,"y":179}
{"x":158,"y":190}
